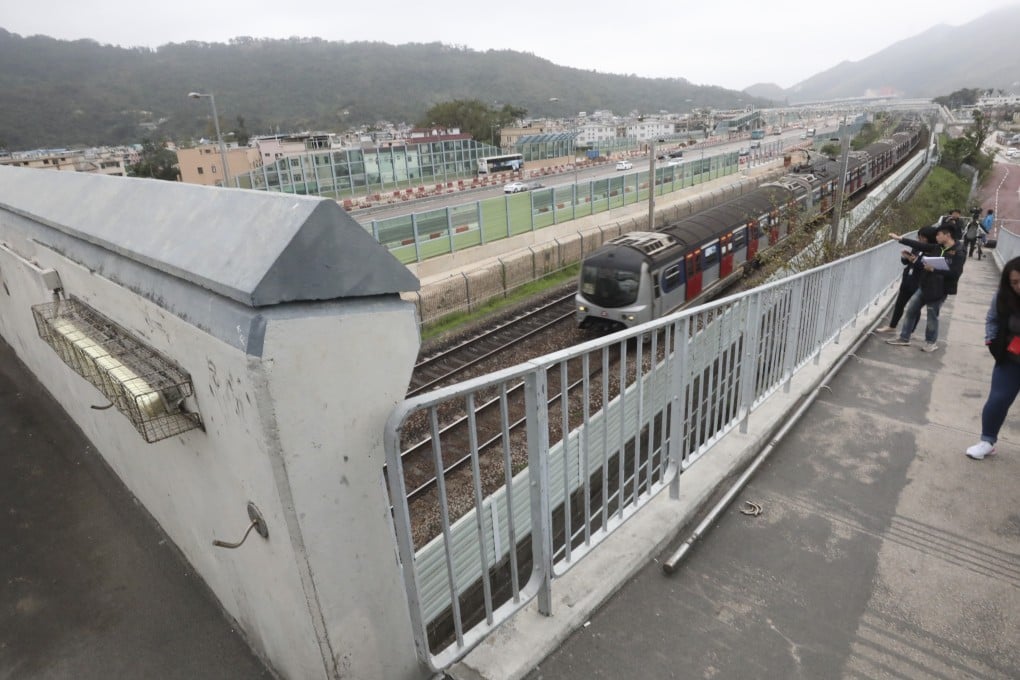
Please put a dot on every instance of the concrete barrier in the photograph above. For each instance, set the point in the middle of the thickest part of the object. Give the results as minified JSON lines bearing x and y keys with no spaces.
{"x":279,"y":310}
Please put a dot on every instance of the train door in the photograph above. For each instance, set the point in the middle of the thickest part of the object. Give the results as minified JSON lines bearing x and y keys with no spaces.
{"x":711,"y":257}
{"x":752,"y":239}
{"x":738,"y":245}
{"x":725,"y":255}
{"x":693,"y":267}
{"x":657,"y":306}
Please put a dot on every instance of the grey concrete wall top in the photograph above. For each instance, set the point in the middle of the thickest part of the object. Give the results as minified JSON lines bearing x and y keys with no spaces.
{"x":254,"y":247}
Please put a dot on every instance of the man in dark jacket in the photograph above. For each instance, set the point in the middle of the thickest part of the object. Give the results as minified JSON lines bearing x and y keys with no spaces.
{"x":912,"y":269}
{"x":938,"y":279}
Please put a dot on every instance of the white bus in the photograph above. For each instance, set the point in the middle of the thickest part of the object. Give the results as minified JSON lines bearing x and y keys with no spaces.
{"x":511,"y":161}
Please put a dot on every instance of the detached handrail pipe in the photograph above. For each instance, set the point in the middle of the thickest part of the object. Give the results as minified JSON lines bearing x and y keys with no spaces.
{"x":671,"y":565}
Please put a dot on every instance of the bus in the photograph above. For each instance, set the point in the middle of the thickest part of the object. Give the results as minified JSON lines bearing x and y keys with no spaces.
{"x":509,"y":161}
{"x":758,"y":134}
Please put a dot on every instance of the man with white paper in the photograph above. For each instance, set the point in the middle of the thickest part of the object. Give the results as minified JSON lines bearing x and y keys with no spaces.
{"x":943,"y":264}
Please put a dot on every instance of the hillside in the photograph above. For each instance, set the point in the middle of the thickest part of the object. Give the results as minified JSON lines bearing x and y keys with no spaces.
{"x":981,"y":54}
{"x":74,"y":93}
{"x":65,"y":93}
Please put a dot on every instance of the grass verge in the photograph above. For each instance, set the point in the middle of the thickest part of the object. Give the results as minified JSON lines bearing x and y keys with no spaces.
{"x":457,"y":320}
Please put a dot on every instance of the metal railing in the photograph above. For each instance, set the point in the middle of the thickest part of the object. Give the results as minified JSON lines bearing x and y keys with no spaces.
{"x":600,"y":430}
{"x":422,"y":235}
{"x":1007,"y":247}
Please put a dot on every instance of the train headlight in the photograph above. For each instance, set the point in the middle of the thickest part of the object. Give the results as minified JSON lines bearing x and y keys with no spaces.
{"x":629,"y":317}
{"x":582,"y":308}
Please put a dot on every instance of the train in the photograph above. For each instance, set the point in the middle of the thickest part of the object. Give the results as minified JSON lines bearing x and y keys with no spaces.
{"x":643,"y":275}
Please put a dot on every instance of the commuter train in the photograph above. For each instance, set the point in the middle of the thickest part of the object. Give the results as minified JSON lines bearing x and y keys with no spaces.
{"x":643,"y":275}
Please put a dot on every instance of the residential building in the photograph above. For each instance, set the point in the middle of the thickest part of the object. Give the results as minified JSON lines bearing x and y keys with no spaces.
{"x":202,"y":164}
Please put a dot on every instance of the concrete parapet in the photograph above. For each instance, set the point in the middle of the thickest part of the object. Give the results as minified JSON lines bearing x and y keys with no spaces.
{"x":279,"y":310}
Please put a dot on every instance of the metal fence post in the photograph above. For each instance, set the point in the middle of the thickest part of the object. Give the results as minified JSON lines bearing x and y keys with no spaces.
{"x":536,"y":403}
{"x":793,"y":333}
{"x":481,"y":225}
{"x":449,"y":228}
{"x":678,"y":383}
{"x":506,"y":211}
{"x":823,"y":313}
{"x":417,"y":238}
{"x":749,"y":362}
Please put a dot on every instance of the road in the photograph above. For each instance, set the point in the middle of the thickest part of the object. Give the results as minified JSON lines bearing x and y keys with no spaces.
{"x":365,"y":217}
{"x":1001,"y":192}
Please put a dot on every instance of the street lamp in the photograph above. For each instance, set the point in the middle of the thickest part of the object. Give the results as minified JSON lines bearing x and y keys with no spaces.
{"x":219,"y":137}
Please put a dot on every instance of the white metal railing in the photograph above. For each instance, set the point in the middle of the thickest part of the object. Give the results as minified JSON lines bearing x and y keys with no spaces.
{"x":1007,"y":247}
{"x":531,"y":501}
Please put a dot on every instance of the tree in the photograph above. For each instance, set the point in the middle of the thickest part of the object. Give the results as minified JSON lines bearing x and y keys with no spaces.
{"x":964,"y":97}
{"x":831,"y":150}
{"x":979,"y":131}
{"x":241,"y":134}
{"x":156,"y":161}
{"x":968,"y":148}
{"x":471,"y":116}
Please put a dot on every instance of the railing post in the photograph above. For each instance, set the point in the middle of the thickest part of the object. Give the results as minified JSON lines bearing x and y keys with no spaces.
{"x":481,"y":223}
{"x":449,"y":228}
{"x":536,"y":403}
{"x":417,"y":238}
{"x":793,"y":333}
{"x":823,"y":312}
{"x":681,"y":332}
{"x":749,"y":362}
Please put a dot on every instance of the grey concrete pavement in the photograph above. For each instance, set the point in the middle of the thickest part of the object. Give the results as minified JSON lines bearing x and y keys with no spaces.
{"x":882,"y":551}
{"x":92,"y":589}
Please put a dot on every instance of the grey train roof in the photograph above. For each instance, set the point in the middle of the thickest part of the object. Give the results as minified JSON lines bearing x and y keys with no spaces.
{"x":254,"y":247}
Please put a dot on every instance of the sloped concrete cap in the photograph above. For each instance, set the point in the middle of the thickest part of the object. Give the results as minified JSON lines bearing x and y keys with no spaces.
{"x":255,"y":247}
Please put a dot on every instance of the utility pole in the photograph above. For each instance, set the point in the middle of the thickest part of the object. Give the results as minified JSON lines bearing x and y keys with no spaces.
{"x":837,"y":207}
{"x":651,"y":185}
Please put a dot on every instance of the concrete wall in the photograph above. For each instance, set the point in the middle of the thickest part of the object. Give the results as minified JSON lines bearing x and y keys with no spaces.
{"x":293,"y":423}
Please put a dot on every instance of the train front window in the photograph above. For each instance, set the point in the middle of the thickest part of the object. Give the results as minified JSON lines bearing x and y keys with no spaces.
{"x":609,"y":287}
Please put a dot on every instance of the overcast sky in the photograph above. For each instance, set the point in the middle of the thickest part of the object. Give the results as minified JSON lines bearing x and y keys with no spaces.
{"x":730,"y":44}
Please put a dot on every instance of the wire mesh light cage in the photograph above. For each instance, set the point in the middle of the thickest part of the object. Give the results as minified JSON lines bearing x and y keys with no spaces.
{"x":138,"y":381}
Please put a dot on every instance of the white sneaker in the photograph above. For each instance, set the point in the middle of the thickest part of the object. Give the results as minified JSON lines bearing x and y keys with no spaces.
{"x":886,"y":329}
{"x":930,"y":347}
{"x":980,"y":450}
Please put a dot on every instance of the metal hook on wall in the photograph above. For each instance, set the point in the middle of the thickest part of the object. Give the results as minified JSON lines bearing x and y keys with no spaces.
{"x":258,"y":523}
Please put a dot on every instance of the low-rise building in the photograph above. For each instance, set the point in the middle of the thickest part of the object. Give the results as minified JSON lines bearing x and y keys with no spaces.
{"x":101,"y":160}
{"x":203,"y":164}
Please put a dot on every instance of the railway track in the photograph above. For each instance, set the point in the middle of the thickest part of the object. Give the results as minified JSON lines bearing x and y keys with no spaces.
{"x":444,"y":367}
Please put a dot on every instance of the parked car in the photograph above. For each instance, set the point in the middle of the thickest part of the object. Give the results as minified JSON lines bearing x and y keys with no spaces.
{"x":1012,"y":153}
{"x":673,"y":162}
{"x":756,"y":144}
{"x":514,"y":187}
{"x":624,"y":165}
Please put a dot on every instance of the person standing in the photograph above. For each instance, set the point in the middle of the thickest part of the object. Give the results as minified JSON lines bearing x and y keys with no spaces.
{"x":912,"y":270}
{"x":988,"y":221}
{"x":934,"y":286}
{"x":1002,"y":337}
{"x":954,"y":219}
{"x":970,"y":237}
